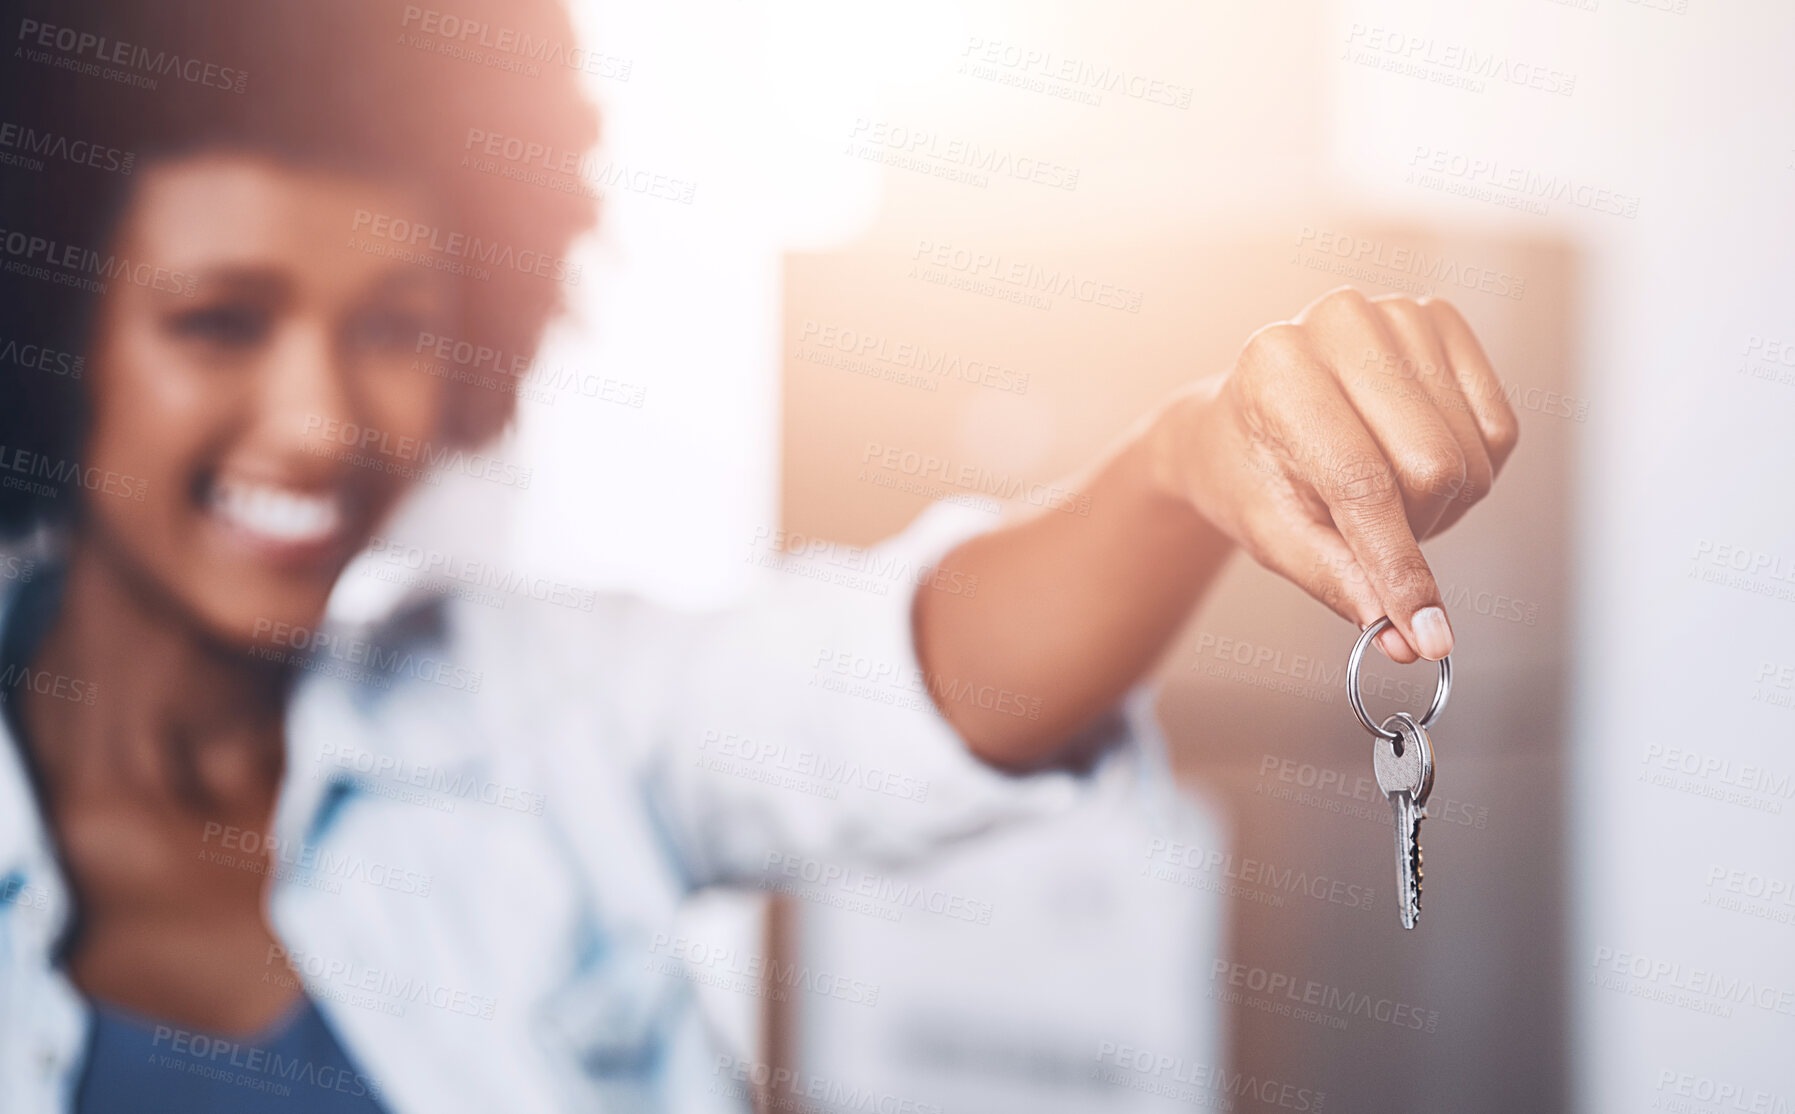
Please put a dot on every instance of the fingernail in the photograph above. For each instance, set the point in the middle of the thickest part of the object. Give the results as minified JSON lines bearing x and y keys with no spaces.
{"x":1393,"y":646}
{"x":1432,"y":632}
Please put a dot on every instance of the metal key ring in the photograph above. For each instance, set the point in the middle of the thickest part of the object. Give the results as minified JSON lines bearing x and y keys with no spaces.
{"x":1441,"y":691}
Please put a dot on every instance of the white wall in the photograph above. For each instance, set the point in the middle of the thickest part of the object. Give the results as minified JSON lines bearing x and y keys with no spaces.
{"x":1693,"y":111}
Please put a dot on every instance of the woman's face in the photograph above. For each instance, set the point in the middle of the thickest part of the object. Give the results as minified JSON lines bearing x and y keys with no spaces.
{"x":241,"y":408}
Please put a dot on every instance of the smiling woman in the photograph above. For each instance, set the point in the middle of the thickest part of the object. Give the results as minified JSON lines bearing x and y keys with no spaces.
{"x":216,"y":789}
{"x":200,"y":246}
{"x":294,"y":102}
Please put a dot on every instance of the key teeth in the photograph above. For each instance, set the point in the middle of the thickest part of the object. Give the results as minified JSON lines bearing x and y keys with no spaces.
{"x":1420,"y":876}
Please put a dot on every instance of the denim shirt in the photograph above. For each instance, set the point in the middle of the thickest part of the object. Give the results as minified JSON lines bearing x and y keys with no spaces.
{"x":488,"y":814}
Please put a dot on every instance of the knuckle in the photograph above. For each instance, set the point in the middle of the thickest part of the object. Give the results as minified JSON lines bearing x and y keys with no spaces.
{"x":1414,"y":321}
{"x":1400,"y":304}
{"x":1273,"y":346}
{"x":1505,"y":429}
{"x":1343,"y":301}
{"x":1441,"y":307}
{"x":1435,"y":471}
{"x":1408,"y":578}
{"x":1364,"y":483}
{"x":1479,"y":475}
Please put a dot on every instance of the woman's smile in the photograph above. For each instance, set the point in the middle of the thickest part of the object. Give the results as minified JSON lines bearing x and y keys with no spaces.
{"x":282,"y":523}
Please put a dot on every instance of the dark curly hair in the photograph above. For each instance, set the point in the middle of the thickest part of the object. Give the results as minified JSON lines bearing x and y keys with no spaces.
{"x":94,"y":90}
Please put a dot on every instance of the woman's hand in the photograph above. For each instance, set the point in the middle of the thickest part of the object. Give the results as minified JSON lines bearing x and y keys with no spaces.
{"x":1336,"y":442}
{"x":1340,"y":439}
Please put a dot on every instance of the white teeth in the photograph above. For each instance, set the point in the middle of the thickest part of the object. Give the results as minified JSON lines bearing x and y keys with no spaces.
{"x":276,"y":513}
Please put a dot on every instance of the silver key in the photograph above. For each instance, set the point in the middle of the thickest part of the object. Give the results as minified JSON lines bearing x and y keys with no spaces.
{"x":1403,"y":757}
{"x":1405,"y":772}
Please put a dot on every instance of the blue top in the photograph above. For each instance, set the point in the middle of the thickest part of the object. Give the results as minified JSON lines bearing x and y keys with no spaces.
{"x":295,"y":1067}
